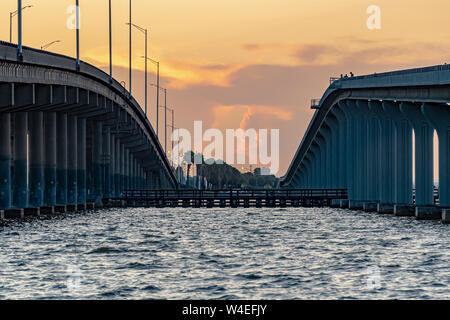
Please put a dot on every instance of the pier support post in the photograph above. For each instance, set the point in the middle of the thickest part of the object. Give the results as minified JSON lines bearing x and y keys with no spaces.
{"x":346,"y":107}
{"x":5,"y":161}
{"x":107,"y":161}
{"x":423,"y":154}
{"x":373,"y":155}
{"x":117,"y":150}
{"x":50,"y":159}
{"x":61,"y":158}
{"x":401,"y":149}
{"x":113,"y":166}
{"x":342,"y":146}
{"x":20,"y":189}
{"x":361,"y":148}
{"x":72,"y":160}
{"x":439,"y":116}
{"x":97,"y":162}
{"x":81,"y":162}
{"x":122,"y":169}
{"x":334,"y":151}
{"x":36,"y":149}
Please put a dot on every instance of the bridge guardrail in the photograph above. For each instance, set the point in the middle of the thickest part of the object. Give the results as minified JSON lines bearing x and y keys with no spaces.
{"x":236,"y":194}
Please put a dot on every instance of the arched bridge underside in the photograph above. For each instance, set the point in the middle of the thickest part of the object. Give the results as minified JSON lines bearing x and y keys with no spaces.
{"x":361,"y":139}
{"x":68,"y":138}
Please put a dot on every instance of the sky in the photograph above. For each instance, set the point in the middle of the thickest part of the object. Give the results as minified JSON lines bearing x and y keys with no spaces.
{"x":247,"y":63}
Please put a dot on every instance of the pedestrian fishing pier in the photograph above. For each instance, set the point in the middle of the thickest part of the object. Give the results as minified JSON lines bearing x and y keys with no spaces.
{"x":233,"y":198}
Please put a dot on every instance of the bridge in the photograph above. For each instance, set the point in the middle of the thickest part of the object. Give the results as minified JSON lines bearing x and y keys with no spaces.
{"x":70,"y":139}
{"x":361,"y":139}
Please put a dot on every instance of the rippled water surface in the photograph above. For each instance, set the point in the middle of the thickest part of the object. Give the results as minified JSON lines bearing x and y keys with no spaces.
{"x":304,"y":253}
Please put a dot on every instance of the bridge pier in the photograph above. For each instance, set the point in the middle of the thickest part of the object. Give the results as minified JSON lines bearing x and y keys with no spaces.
{"x":105,"y":162}
{"x":113,"y":165}
{"x":386,"y":158}
{"x":401,"y":150}
{"x":439,"y":116}
{"x":61,"y":159}
{"x":423,"y":154}
{"x":20,"y":183}
{"x":97,"y":153}
{"x":361,"y":150}
{"x":36,"y":149}
{"x":117,"y":165}
{"x":5,"y":161}
{"x":72,"y":161}
{"x":122,"y":169}
{"x":50,"y":159}
{"x":81,"y":162}
{"x":350,"y":142}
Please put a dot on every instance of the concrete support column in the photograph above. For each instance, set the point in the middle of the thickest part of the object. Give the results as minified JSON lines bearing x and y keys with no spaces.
{"x":107,"y":163}
{"x":81,"y":162}
{"x":97,"y":151}
{"x":315,"y":165}
{"x":36,"y":149}
{"x":361,"y":148}
{"x":334,"y":151}
{"x":386,"y":153}
{"x":373,"y":154}
{"x":401,"y":149}
{"x":439,"y":116}
{"x":328,"y":157}
{"x":5,"y":161}
{"x":404,"y":183}
{"x":135,"y":174}
{"x":72,"y":160}
{"x":423,"y":153}
{"x":122,"y":168}
{"x":127,"y":169}
{"x":61,"y":158}
{"x":117,"y":170}
{"x":20,"y":183}
{"x":309,"y":171}
{"x":351,"y":155}
{"x":321,"y":161}
{"x":131,"y":179}
{"x":113,"y":166}
{"x":50,"y":159}
{"x":342,"y":146}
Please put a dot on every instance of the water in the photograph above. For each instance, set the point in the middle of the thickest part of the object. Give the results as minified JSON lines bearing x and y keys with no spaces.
{"x":293,"y":253}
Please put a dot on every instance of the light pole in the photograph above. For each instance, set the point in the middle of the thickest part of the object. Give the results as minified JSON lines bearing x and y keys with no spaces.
{"x":145,"y":32}
{"x":165,"y":105}
{"x":77,"y":13}
{"x":171,"y":135}
{"x":12,"y":15}
{"x":49,"y":44}
{"x":110,"y":44}
{"x":157,"y":94}
{"x":129,"y":85}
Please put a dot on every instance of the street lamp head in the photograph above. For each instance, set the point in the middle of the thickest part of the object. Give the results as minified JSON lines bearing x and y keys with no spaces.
{"x":14,"y":13}
{"x":137,"y":27}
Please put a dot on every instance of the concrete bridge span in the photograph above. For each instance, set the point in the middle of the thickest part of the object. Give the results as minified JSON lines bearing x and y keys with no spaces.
{"x":361,"y":139}
{"x":70,"y":137}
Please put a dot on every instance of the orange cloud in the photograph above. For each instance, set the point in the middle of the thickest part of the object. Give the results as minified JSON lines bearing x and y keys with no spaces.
{"x":241,"y":114}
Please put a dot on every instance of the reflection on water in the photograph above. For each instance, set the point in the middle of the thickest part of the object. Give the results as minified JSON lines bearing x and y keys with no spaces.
{"x":303,"y":253}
